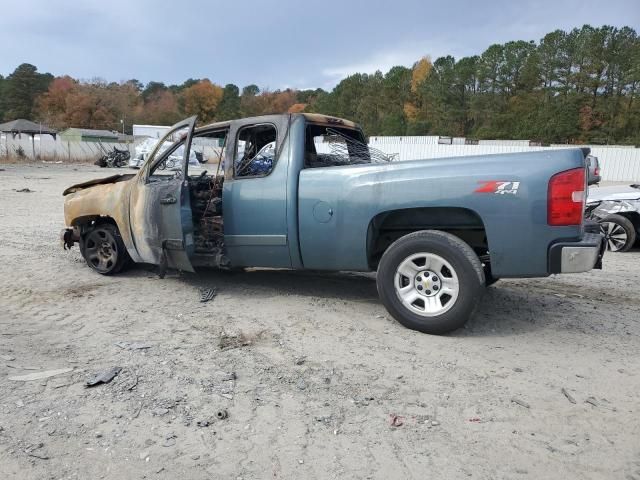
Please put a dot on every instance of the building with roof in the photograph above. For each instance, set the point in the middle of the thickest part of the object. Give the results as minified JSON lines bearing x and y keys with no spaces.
{"x":16,"y":128}
{"x":20,"y":126}
{"x":88,"y":135}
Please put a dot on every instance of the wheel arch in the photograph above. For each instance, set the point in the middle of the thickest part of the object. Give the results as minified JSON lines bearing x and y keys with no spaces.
{"x":633,"y":217}
{"x":386,"y":227}
{"x":85,"y":220}
{"x":92,"y":245}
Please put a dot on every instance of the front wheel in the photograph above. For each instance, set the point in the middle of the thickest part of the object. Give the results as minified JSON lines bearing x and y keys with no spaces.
{"x":103,"y":249}
{"x":430,"y":281}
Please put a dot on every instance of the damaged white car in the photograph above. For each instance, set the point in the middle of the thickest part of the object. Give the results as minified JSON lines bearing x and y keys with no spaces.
{"x":173,"y":162}
{"x":617,"y":210}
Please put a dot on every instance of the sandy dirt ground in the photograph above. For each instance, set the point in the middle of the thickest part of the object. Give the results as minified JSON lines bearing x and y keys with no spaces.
{"x":316,"y":379}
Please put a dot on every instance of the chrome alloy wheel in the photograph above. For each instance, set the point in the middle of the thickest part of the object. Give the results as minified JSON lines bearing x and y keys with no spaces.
{"x":426,"y":284}
{"x":614,"y":235}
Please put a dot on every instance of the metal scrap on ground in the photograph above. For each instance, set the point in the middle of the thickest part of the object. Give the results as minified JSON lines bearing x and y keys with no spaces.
{"x":522,"y":403}
{"x":103,"y":377}
{"x":133,"y":345}
{"x":396,"y":420}
{"x":207,"y":294}
{"x":222,"y":414}
{"x":568,"y":395}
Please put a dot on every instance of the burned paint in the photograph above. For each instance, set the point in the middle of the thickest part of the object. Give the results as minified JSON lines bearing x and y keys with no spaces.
{"x":141,"y":206}
{"x":88,"y":202}
{"x":328,"y":120}
{"x":98,"y":181}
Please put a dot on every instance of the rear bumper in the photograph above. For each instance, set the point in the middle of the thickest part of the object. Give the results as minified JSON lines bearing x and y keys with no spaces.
{"x":577,"y":257}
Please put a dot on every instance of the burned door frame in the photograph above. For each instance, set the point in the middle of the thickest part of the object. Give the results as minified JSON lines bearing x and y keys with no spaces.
{"x":255,"y":207}
{"x":160,"y":208}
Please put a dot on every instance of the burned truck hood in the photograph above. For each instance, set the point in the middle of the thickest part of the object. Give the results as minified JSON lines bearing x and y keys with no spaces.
{"x":99,"y":181}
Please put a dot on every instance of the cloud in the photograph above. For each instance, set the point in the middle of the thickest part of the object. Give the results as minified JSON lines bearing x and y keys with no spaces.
{"x":382,"y":61}
{"x":403,"y":55}
{"x":274,"y":43}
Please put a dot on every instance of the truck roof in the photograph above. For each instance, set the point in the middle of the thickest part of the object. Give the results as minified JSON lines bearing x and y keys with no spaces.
{"x":317,"y":118}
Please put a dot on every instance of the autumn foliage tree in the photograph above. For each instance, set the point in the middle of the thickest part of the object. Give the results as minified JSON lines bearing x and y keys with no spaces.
{"x":94,"y":104}
{"x":202,"y":99}
{"x":581,"y":85}
{"x":51,"y":106}
{"x":160,"y":108}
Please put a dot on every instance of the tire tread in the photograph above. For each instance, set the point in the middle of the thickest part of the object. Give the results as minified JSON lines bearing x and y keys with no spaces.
{"x":435,"y":239}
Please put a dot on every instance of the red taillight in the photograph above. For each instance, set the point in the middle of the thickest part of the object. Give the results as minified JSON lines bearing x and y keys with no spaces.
{"x":597,"y":171}
{"x":565,"y":204}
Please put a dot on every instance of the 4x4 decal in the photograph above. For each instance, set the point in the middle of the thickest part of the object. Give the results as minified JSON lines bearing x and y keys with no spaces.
{"x":498,"y":187}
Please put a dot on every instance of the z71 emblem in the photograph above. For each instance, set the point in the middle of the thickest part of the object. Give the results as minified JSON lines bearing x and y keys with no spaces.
{"x":498,"y":187}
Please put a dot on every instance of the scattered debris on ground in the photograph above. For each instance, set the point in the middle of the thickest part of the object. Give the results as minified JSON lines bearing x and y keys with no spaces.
{"x":183,"y":362}
{"x":228,"y":341}
{"x":222,"y":414}
{"x":568,"y":395}
{"x":103,"y":377}
{"x":40,"y":375}
{"x":207,"y":294}
{"x":592,"y":401}
{"x":170,"y":440}
{"x":24,"y":190}
{"x":133,"y":346}
{"x":36,"y":452}
{"x":396,"y":420}
{"x":522,"y":403}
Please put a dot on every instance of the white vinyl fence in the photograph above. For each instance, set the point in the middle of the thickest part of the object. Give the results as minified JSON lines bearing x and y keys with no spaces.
{"x":616,"y":162}
{"x":46,"y":148}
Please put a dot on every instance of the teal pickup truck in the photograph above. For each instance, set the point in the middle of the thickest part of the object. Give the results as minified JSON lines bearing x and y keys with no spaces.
{"x":304,"y":191}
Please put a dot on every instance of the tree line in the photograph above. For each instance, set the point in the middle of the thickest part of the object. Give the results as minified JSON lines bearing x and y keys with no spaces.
{"x":570,"y":87}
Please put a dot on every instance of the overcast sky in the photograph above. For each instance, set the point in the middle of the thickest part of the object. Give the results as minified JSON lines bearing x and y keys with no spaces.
{"x":275,"y":44}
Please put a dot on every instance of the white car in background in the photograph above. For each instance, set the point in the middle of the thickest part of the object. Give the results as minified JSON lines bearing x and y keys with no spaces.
{"x":617,"y":210}
{"x":146,"y":147}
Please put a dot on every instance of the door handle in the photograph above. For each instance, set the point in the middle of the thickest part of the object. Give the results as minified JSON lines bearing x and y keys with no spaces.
{"x":168,"y":200}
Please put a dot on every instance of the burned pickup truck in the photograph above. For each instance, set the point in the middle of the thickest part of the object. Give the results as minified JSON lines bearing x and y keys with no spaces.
{"x":304,"y":191}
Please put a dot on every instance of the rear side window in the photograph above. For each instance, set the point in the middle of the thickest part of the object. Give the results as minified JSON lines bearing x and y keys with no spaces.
{"x":330,"y":146}
{"x":255,"y":152}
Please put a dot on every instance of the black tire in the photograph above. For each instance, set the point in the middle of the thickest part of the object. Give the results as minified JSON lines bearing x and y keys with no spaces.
{"x":613,"y":226}
{"x":462,"y":259}
{"x":103,"y":249}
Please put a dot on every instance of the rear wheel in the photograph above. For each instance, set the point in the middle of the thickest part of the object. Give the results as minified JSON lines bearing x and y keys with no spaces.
{"x":619,"y":233}
{"x":430,"y":281}
{"x":103,"y":249}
